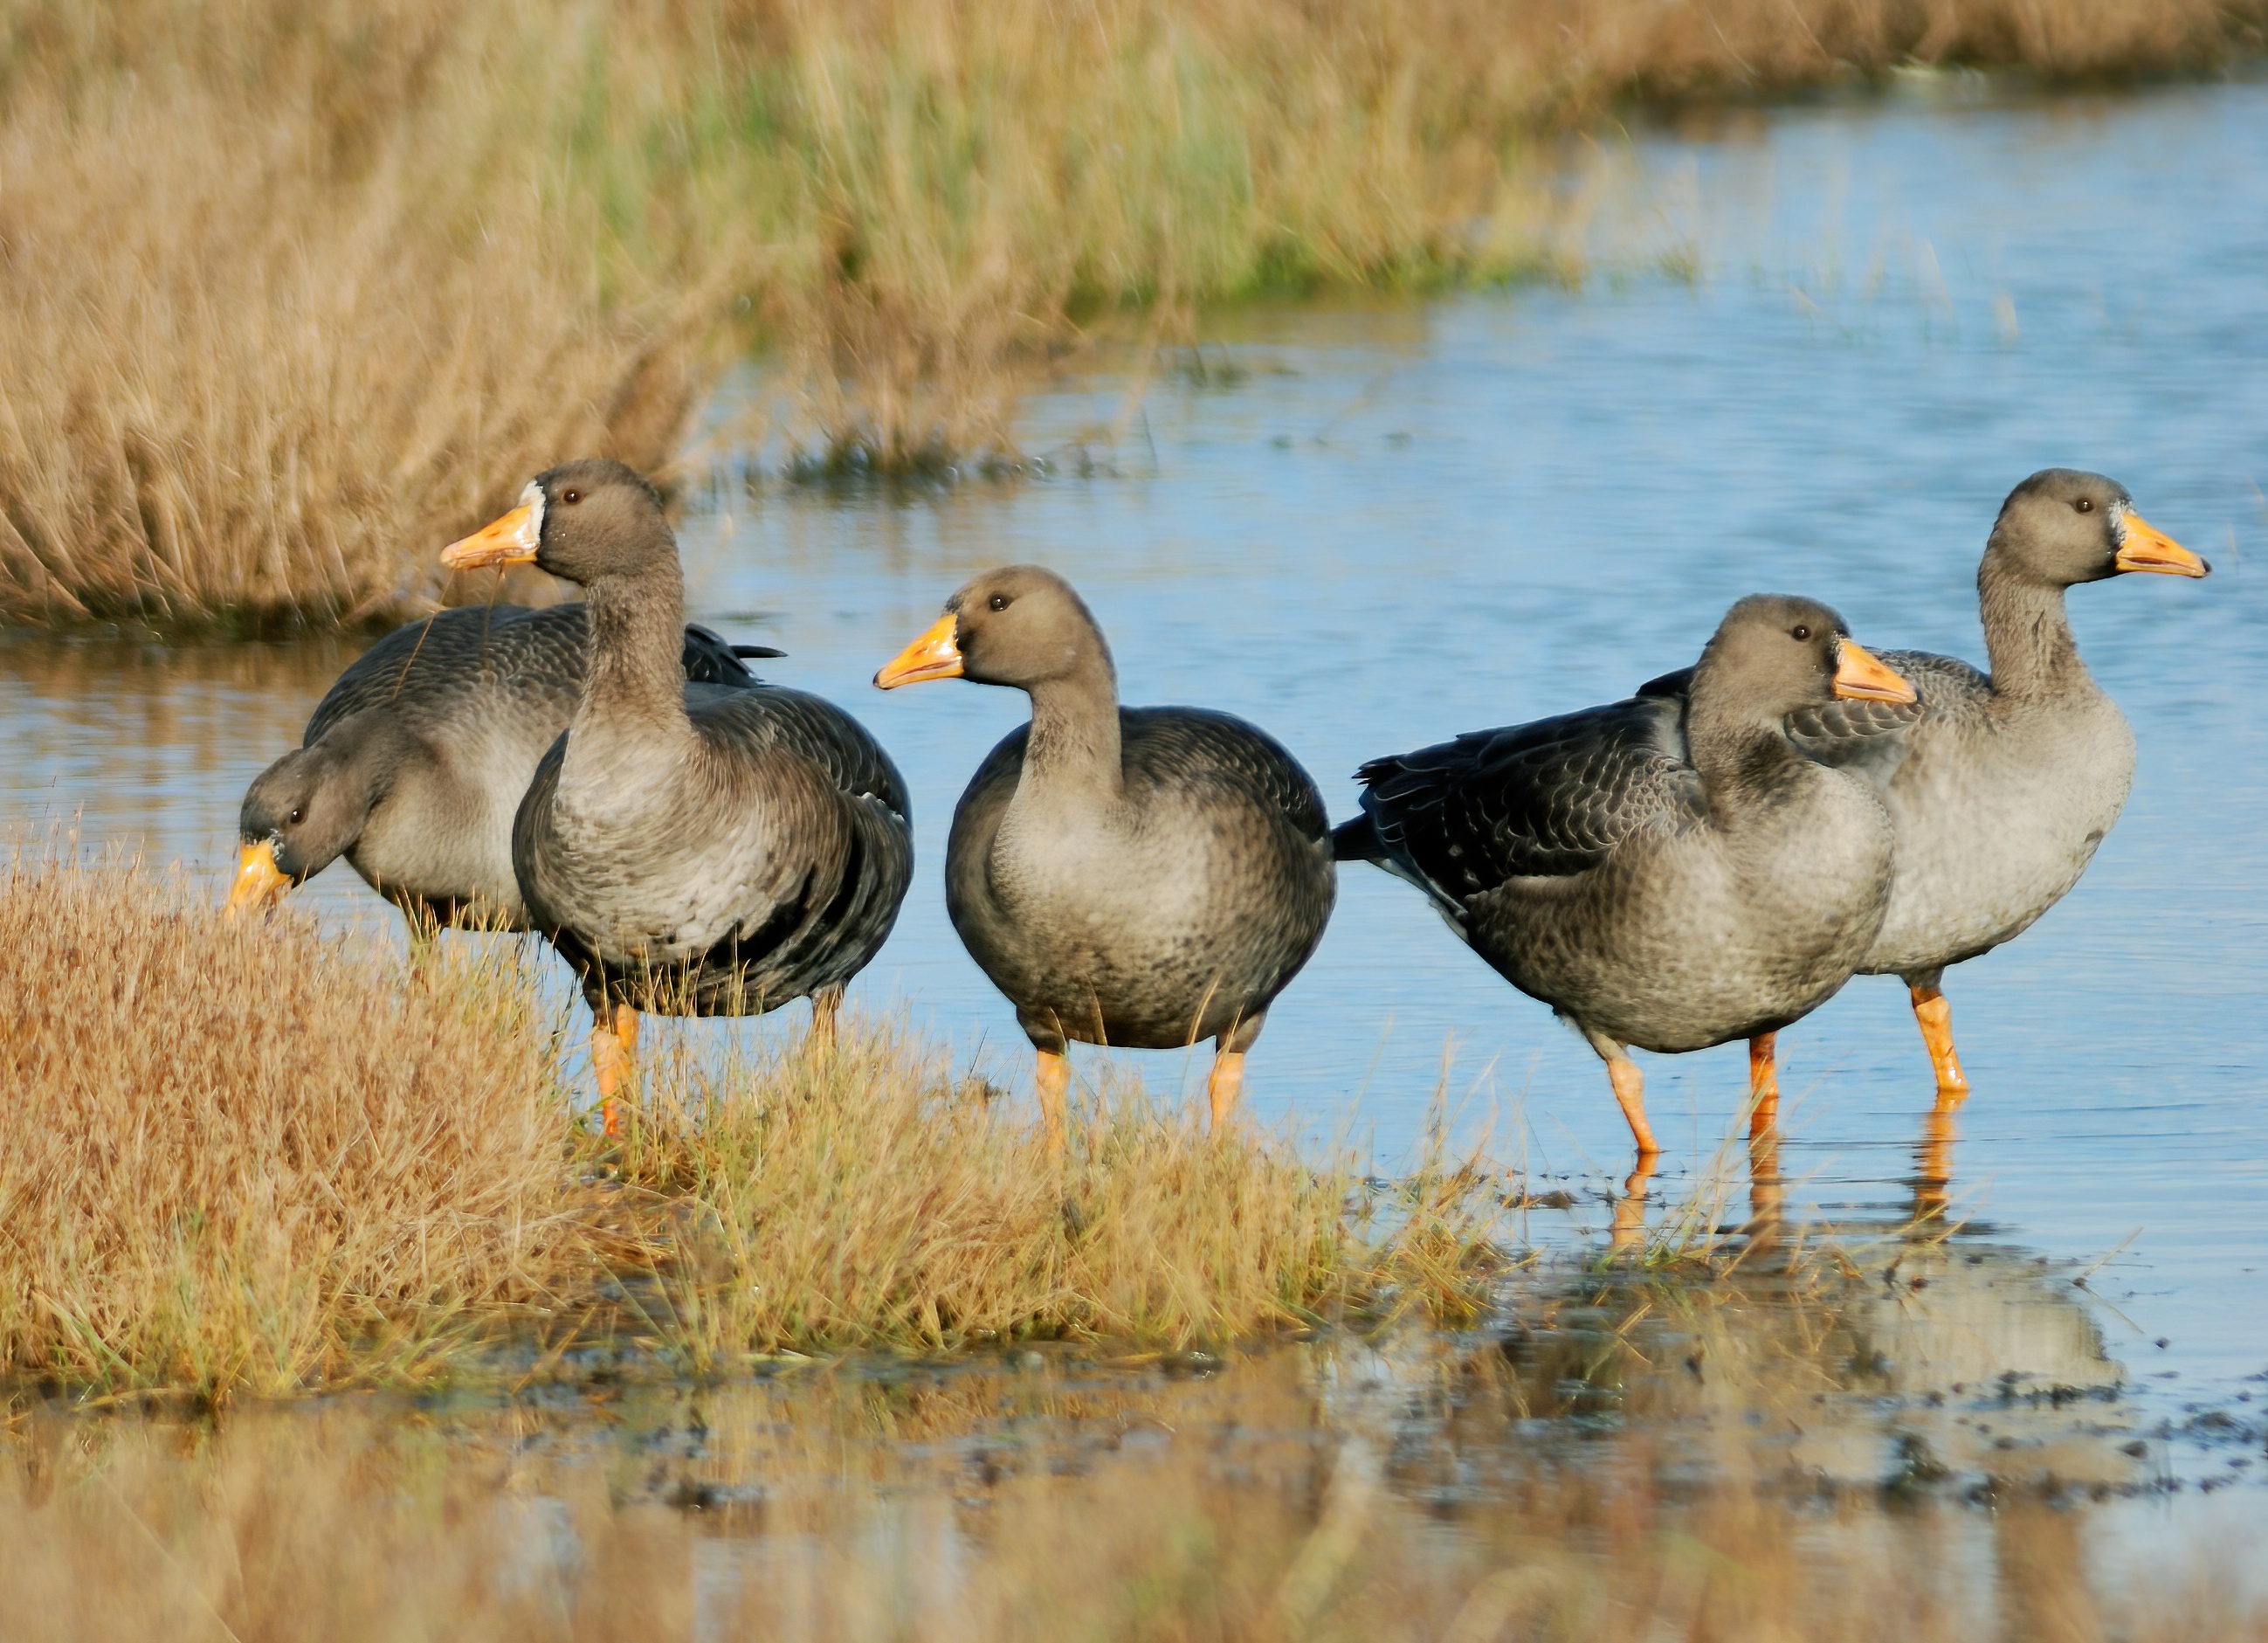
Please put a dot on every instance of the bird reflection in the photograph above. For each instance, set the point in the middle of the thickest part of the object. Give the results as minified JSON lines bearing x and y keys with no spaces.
{"x":1767,"y":1189}
{"x":1628,"y":1236}
{"x":1933,"y":1177}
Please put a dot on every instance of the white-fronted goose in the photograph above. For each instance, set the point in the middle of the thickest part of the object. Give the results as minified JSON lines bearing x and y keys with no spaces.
{"x":1664,"y":873}
{"x":2008,"y":781}
{"x":1146,"y":876}
{"x":414,"y":762}
{"x":714,"y":857}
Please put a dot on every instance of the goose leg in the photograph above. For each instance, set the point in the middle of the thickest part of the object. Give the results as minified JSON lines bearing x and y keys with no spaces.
{"x":826,"y":1004}
{"x":1763,"y":1084}
{"x":1226,"y":1082}
{"x":1053,"y":1079}
{"x":1630,"y":1093}
{"x":613,"y":1042}
{"x":1935,"y":1017}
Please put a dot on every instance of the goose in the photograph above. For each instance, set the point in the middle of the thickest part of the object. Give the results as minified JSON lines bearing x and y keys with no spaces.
{"x":1140,"y":876}
{"x":414,"y":760}
{"x":1664,"y":873}
{"x":706,"y":854}
{"x":2007,"y":781}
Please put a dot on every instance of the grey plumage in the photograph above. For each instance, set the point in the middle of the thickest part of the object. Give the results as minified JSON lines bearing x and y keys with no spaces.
{"x":413,"y":764}
{"x":695,"y":851}
{"x":1146,"y":877}
{"x":1666,"y":873}
{"x":1176,"y":912}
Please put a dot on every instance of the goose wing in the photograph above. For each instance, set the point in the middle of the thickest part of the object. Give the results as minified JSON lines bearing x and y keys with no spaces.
{"x":1549,"y":799}
{"x":1193,"y":746}
{"x":833,"y":902}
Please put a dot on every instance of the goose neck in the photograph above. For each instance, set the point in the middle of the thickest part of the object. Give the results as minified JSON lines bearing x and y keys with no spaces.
{"x":1742,"y":760}
{"x":1074,"y":746}
{"x":2028,"y":636}
{"x":636,"y":674}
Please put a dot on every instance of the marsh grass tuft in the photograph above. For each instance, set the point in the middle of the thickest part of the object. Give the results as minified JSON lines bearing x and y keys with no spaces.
{"x":253,"y":1155}
{"x":876,"y":1196}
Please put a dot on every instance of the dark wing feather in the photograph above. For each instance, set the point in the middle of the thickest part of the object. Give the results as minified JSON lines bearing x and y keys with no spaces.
{"x":419,"y":672}
{"x":823,"y":732}
{"x":1548,"y":799}
{"x":1191,"y":746}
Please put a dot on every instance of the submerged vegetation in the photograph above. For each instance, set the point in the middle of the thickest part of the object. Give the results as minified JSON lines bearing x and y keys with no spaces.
{"x":289,"y":295}
{"x":249,"y":1155}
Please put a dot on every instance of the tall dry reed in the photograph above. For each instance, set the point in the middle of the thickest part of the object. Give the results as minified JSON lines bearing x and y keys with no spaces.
{"x":252,"y":1155}
{"x":289,"y":295}
{"x":283,"y":306}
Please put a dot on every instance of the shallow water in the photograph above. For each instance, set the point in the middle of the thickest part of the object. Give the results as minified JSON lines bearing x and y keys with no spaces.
{"x":1397,"y":522}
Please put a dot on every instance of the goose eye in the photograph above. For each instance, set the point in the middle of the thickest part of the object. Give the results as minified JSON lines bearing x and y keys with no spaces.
{"x":999,"y":602}
{"x":570,"y":496}
{"x":2085,"y":505}
{"x":1801,"y":632}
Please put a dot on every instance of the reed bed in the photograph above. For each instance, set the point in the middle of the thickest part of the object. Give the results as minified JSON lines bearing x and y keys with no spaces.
{"x":289,"y":294}
{"x":1264,"y":1506}
{"x":253,"y":1157}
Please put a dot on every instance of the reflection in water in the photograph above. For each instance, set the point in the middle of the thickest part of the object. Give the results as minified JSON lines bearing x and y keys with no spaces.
{"x":1631,"y":1459}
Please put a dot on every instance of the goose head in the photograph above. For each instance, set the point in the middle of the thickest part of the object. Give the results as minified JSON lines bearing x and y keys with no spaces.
{"x":1022,"y":626}
{"x":2064,"y":525}
{"x":300,"y":815}
{"x":585,"y":521}
{"x":1775,"y":653}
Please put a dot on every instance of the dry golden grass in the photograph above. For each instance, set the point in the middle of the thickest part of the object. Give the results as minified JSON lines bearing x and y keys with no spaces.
{"x":1272,"y":1505}
{"x":282,"y":307}
{"x":256,"y":1156}
{"x":289,"y":294}
{"x":253,"y":1156}
{"x":876,"y":1196}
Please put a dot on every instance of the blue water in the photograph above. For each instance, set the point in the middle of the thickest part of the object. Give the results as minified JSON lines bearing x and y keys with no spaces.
{"x":1404,"y":520}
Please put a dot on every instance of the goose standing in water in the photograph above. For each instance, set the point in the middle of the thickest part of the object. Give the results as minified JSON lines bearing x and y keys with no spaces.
{"x":1145,"y":876}
{"x":2006,"y":781}
{"x":414,"y":762}
{"x":1664,"y":875}
{"x":713,"y":857}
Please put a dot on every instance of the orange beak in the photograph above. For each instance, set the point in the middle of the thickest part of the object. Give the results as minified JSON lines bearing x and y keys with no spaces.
{"x":2142,"y":546}
{"x":932,"y":656}
{"x":1859,"y":676}
{"x":259,"y":880}
{"x":510,"y":539}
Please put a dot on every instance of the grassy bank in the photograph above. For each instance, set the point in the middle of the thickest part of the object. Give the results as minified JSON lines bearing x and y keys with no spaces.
{"x":250,"y":1155}
{"x":289,"y":294}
